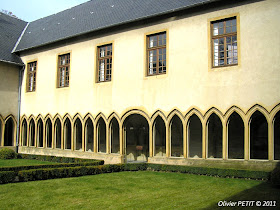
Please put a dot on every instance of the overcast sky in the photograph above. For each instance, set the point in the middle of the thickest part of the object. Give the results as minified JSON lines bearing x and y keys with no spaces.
{"x":30,"y":10}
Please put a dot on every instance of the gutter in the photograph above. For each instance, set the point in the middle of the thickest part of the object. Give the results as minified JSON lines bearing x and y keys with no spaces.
{"x":19,"y":106}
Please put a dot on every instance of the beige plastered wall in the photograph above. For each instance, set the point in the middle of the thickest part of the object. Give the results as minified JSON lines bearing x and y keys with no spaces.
{"x":9,"y":80}
{"x":189,"y":82}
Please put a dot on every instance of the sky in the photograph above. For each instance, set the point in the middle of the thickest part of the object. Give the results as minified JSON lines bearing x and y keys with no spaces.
{"x":30,"y":10}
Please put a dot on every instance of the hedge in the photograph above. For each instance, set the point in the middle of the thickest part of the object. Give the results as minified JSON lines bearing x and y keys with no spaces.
{"x":7,"y":153}
{"x":233,"y":173}
{"x":52,"y":173}
{"x":59,"y":165}
{"x":54,"y":158}
{"x":7,"y":177}
{"x":87,"y":169}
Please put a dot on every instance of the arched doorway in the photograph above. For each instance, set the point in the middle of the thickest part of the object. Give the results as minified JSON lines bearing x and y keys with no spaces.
{"x":9,"y":132}
{"x":136,"y":132}
{"x":258,"y":136}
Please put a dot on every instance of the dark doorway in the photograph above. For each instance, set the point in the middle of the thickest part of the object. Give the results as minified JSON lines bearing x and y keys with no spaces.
{"x":215,"y":137}
{"x":159,"y":136}
{"x":235,"y":137}
{"x":9,"y":133}
{"x":195,"y":137}
{"x":258,"y":136}
{"x":67,"y":134}
{"x":101,"y":135}
{"x":115,"y":136}
{"x":136,"y":130}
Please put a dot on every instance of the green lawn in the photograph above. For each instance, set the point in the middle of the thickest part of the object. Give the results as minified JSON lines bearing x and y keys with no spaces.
{"x":133,"y":190}
{"x":22,"y":162}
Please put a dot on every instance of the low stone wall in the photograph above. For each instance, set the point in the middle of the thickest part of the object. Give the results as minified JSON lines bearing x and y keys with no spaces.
{"x":108,"y":158}
{"x":265,"y":165}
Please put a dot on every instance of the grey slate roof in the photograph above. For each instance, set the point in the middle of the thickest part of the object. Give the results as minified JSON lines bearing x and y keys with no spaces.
{"x":10,"y":31}
{"x":94,"y":15}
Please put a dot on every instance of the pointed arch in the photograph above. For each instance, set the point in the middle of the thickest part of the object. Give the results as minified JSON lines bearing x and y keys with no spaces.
{"x":215,"y":111}
{"x":275,"y":122}
{"x":237,"y":110}
{"x":235,"y":135}
{"x":214,"y":133}
{"x":259,"y":108}
{"x":194,"y":134}
{"x":100,"y":114}
{"x":258,"y":133}
{"x":40,"y":131}
{"x":158,"y":113}
{"x":32,"y":131}
{"x":276,"y":135}
{"x":57,"y":131}
{"x":49,"y":131}
{"x":87,"y":116}
{"x":192,"y":112}
{"x":274,"y":111}
{"x":24,"y":131}
{"x":114,"y":133}
{"x":78,"y":132}
{"x":114,"y":114}
{"x":159,"y":134}
{"x":176,"y":126}
{"x":39,"y":117}
{"x":101,"y":133}
{"x":175,"y":112}
{"x":1,"y":130}
{"x":67,"y":132}
{"x":89,"y":132}
{"x":10,"y":131}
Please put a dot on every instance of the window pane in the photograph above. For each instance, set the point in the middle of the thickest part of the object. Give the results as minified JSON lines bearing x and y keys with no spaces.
{"x":153,"y":41}
{"x":221,"y":41}
{"x":221,"y":30}
{"x":102,"y":52}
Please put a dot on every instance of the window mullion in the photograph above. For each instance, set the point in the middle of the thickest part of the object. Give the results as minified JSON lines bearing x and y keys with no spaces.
{"x":225,"y":50}
{"x":105,"y":66}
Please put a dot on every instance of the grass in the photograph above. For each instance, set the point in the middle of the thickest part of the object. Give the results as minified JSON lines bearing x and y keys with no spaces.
{"x":22,"y":162}
{"x":133,"y":190}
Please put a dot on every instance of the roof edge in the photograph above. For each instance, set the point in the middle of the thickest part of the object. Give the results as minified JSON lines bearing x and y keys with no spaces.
{"x":114,"y":25}
{"x":20,"y":37}
{"x":10,"y":62}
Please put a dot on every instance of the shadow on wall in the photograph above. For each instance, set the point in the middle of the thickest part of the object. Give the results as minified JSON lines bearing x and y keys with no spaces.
{"x":266,"y":194}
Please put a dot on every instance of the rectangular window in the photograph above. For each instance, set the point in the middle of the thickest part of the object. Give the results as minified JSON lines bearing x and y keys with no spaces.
{"x":31,"y":76}
{"x":104,"y":63}
{"x":63,"y":70}
{"x":156,"y":54}
{"x":224,"y":42}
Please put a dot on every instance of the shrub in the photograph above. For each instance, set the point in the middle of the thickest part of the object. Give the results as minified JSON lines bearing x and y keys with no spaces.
{"x":7,"y":176}
{"x":20,"y":168}
{"x":57,"y":159}
{"x":135,"y":167}
{"x":210,"y":171}
{"x":7,"y":153}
